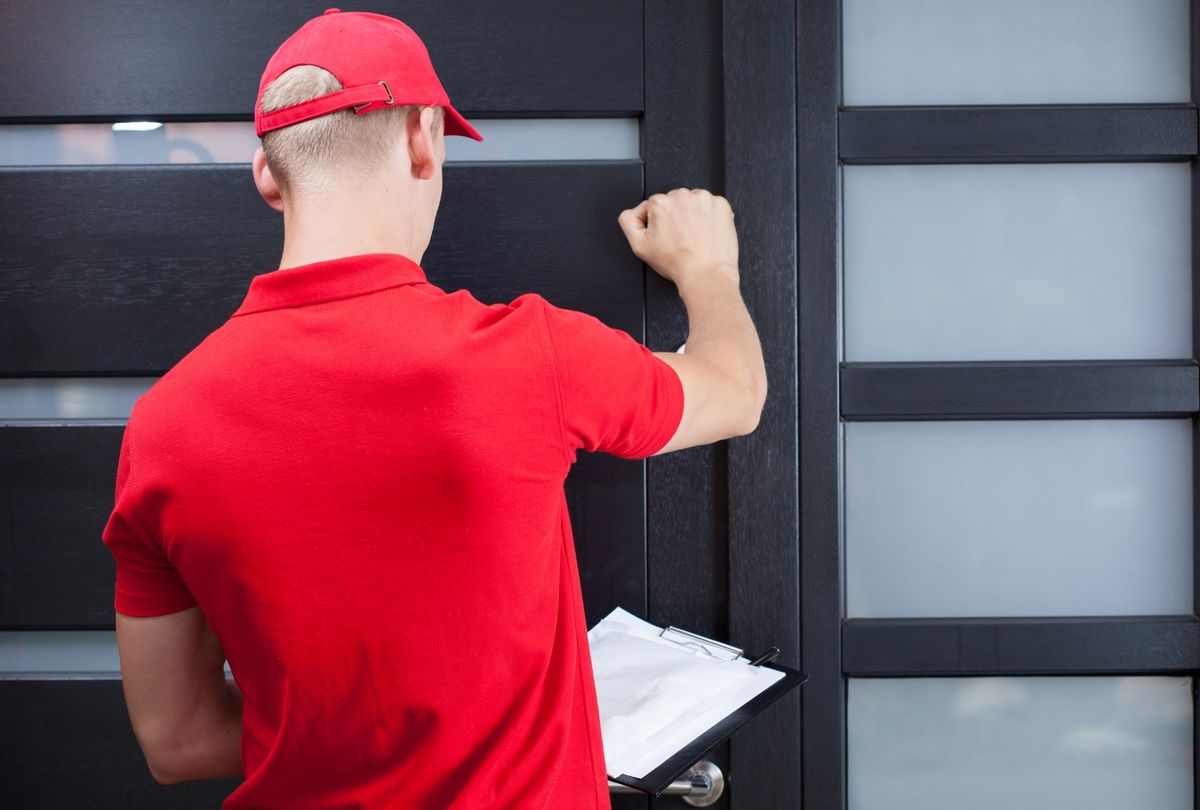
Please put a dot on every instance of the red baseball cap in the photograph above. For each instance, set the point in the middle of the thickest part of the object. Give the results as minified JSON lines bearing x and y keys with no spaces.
{"x":379,"y":60}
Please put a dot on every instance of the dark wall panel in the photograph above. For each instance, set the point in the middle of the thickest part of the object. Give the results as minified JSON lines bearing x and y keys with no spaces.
{"x":188,"y":59}
{"x":69,"y":743}
{"x":56,"y":491}
{"x":132,"y":285}
{"x":124,"y":269}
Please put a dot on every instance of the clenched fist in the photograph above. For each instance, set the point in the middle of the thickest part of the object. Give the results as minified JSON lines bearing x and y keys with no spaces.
{"x":685,"y":233}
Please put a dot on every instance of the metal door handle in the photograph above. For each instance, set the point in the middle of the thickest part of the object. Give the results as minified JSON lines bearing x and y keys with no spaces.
{"x":699,"y":787}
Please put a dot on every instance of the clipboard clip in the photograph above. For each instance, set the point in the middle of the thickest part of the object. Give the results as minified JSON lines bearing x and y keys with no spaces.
{"x":714,"y":648}
{"x":767,"y":657}
{"x":704,"y":644}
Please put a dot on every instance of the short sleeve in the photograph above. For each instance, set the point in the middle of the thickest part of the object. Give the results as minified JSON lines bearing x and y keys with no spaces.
{"x":147,"y":584}
{"x":616,"y":396}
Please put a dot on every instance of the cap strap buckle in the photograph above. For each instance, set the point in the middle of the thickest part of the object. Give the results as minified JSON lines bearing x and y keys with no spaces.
{"x":331,"y":102}
{"x":390,"y":99}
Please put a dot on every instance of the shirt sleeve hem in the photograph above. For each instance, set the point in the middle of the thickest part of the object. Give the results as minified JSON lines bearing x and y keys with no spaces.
{"x":672,"y":415}
{"x":132,"y":604}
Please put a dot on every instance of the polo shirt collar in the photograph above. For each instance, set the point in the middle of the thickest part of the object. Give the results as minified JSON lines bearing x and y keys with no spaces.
{"x":331,"y":279}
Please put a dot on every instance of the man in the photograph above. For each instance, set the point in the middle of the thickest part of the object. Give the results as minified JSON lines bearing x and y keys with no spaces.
{"x":352,"y":489}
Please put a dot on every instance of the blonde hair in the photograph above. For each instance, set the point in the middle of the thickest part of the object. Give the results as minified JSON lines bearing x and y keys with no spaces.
{"x":312,"y":153}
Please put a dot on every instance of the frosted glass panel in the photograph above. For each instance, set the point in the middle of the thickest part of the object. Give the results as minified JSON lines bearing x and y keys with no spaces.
{"x":1015,"y":51}
{"x":1018,"y":518}
{"x":60,"y":654}
{"x":1017,"y":262}
{"x":149,"y":142}
{"x":1061,"y":743}
{"x":69,"y":400}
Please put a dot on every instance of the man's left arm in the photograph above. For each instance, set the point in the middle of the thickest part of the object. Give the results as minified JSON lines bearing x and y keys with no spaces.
{"x":186,"y":716}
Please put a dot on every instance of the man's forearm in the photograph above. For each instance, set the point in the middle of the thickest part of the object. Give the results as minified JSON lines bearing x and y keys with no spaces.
{"x":213,"y":750}
{"x":720,"y":328}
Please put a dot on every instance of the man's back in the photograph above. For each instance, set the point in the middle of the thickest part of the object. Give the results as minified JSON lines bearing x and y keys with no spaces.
{"x":358,"y":478}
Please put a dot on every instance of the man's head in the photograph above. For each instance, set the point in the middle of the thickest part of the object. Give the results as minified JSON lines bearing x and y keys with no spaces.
{"x":350,"y":109}
{"x":336,"y":147}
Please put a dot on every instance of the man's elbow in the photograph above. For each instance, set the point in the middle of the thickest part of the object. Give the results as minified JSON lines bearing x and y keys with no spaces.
{"x":755,"y":400}
{"x":162,"y":773}
{"x":166,"y":763}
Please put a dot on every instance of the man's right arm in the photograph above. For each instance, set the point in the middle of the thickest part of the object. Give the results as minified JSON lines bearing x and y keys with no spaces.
{"x":687,"y":236}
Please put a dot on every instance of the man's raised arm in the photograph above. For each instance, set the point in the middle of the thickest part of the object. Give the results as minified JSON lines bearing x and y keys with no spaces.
{"x":688,"y":236}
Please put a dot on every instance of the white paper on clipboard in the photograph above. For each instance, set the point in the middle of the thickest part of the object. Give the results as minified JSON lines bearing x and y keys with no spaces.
{"x":656,"y":694}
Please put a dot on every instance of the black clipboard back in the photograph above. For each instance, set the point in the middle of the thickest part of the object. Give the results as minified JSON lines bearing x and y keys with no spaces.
{"x":659,"y":779}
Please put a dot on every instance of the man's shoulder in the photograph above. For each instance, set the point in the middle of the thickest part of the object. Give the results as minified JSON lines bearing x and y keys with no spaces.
{"x":528,"y":303}
{"x":172,"y":393}
{"x":523,"y":313}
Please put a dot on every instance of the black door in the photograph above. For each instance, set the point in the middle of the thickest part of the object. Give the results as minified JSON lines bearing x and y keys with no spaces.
{"x":122,"y":247}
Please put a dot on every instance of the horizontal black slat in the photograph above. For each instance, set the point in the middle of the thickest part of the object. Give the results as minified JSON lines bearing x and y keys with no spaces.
{"x":124,"y":269}
{"x":1012,"y":646}
{"x":77,"y":60}
{"x":878,"y":391}
{"x":1025,"y":133}
{"x":56,"y":492}
{"x":69,"y":743}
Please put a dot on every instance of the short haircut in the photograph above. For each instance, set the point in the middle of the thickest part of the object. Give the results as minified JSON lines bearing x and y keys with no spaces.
{"x":313,"y":153}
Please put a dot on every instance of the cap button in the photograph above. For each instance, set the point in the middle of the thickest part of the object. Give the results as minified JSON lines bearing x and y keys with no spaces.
{"x":332,"y":10}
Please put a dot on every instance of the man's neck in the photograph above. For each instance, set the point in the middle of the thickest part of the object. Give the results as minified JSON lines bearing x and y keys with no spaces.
{"x":333,"y":228}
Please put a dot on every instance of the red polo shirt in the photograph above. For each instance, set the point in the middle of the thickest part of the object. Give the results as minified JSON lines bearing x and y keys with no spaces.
{"x":359,"y":479}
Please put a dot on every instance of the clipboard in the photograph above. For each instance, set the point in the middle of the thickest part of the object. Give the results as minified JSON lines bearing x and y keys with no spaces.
{"x":676,"y":765}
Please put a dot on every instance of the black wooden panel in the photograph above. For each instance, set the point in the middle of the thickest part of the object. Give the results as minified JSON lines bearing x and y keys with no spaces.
{"x":818,"y":72}
{"x":125,"y":269}
{"x":56,"y":491}
{"x":687,"y":517}
{"x":1025,"y":133}
{"x":1025,"y":390}
{"x":687,"y":501}
{"x":95,"y":294}
{"x":1011,"y":646}
{"x":606,"y":497}
{"x":68,"y":743}
{"x":75,"y":60}
{"x":764,"y":522}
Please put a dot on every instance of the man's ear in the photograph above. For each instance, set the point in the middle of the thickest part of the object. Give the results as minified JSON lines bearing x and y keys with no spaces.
{"x":263,"y":180}
{"x":421,"y":153}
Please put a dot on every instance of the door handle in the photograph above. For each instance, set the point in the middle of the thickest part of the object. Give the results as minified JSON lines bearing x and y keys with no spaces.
{"x":699,"y":787}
